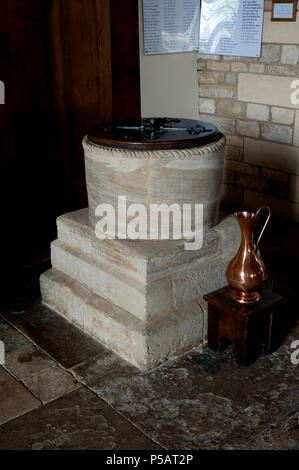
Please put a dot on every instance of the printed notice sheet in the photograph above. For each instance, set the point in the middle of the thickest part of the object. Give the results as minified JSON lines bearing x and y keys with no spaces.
{"x":170,"y":26}
{"x":283,"y":10}
{"x":231,"y":27}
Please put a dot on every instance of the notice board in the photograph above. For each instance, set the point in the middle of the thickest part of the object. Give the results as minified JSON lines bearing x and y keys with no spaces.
{"x":231,"y":27}
{"x":222,"y":27}
{"x":170,"y":26}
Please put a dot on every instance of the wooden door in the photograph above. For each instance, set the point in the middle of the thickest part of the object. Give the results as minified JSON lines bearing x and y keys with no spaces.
{"x":67,"y":65}
{"x":81,"y":71}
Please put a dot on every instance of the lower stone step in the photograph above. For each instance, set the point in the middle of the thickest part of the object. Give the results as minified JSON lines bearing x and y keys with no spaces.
{"x":143,"y":344}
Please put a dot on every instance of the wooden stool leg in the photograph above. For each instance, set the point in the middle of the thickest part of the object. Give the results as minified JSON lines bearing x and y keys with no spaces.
{"x":241,"y":350}
{"x":252,"y":338}
{"x":213,"y":321}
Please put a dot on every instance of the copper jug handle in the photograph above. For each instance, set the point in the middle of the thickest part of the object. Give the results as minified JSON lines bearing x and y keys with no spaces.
{"x":269,"y":215}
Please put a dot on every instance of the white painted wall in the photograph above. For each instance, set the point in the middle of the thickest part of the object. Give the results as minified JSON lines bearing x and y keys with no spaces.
{"x":169,"y":84}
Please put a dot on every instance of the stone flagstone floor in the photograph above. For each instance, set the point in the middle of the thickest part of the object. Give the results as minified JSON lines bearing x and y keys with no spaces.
{"x":59,"y":389}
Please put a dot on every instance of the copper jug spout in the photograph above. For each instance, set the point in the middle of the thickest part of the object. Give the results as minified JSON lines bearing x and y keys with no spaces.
{"x":246,"y":272}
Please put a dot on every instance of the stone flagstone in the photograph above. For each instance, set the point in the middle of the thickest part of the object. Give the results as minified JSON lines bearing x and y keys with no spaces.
{"x":79,"y":420}
{"x":15,"y":399}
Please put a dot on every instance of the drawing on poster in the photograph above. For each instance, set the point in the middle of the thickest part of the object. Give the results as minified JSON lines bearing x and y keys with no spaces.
{"x":231,"y":27}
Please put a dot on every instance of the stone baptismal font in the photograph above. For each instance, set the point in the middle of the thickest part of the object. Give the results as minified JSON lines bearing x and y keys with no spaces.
{"x":142,"y":297}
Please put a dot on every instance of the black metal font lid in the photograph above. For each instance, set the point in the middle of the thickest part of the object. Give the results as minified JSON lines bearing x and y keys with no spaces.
{"x":154,"y":134}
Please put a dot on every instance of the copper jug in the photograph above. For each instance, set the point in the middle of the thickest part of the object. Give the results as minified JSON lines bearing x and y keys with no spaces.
{"x":246,"y":272}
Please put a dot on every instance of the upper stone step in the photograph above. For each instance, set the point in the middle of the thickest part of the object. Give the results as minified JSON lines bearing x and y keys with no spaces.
{"x":145,"y":278}
{"x":142,"y":260}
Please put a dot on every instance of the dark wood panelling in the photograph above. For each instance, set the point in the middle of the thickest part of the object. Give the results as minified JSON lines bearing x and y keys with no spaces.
{"x":81,"y":75}
{"x":125,"y":59}
{"x":62,"y":76}
{"x":29,"y":181}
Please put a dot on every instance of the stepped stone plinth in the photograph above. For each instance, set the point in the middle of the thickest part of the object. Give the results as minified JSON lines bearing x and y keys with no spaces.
{"x":143,"y":298}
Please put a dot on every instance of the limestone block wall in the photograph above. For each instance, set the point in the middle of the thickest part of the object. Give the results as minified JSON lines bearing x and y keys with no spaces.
{"x":249,"y":99}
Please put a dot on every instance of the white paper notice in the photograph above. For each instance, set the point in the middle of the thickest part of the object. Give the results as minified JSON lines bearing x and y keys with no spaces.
{"x":283,"y":10}
{"x":170,"y":26}
{"x":231,"y":27}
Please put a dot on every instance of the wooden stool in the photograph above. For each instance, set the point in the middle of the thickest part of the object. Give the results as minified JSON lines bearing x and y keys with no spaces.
{"x":250,"y":327}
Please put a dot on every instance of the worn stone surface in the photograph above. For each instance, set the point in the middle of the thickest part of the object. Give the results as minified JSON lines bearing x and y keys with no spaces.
{"x":206,"y":105}
{"x":233,"y":153}
{"x":239,"y":67}
{"x":282,"y":435}
{"x":261,"y":185}
{"x":76,"y":421}
{"x":234,"y":58}
{"x":220,"y":406}
{"x":131,"y":294}
{"x":231,"y":78}
{"x":277,"y":133}
{"x":55,"y":335}
{"x":275,"y":175}
{"x":294,"y":188}
{"x":201,"y":65}
{"x":272,"y":155}
{"x":15,"y":399}
{"x":231,"y":196}
{"x":290,"y":55}
{"x":186,"y":176}
{"x":218,"y":65}
{"x":276,"y":32}
{"x":22,"y":358}
{"x":143,"y":260}
{"x":230,"y":108}
{"x":296,"y":130}
{"x":200,"y":400}
{"x":234,"y":140}
{"x":257,"y":111}
{"x":268,"y":5}
{"x":15,"y":343}
{"x":208,"y":77}
{"x":27,"y":361}
{"x":248,"y":128}
{"x":265,"y":89}
{"x":282,"y":115}
{"x":6,"y":330}
{"x":217,"y":91}
{"x":241,"y":167}
{"x":278,"y":188}
{"x":209,"y":56}
{"x":228,"y":177}
{"x":225,"y":125}
{"x":280,"y":207}
{"x":281,"y":70}
{"x":136,"y":276}
{"x":256,"y":68}
{"x":147,"y":309}
{"x":270,"y":52}
{"x":144,"y":345}
{"x":144,"y":301}
{"x":51,"y":384}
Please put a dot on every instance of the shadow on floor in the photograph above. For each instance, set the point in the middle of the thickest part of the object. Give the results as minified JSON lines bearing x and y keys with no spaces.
{"x":63,"y":390}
